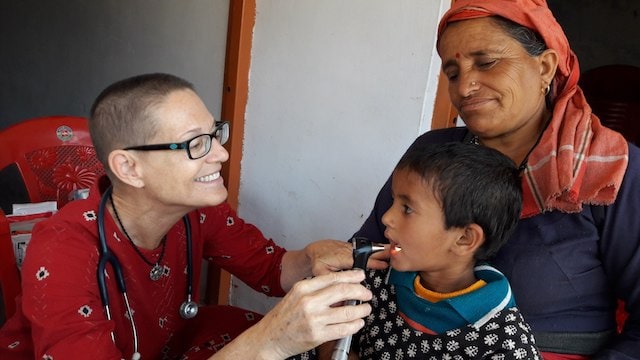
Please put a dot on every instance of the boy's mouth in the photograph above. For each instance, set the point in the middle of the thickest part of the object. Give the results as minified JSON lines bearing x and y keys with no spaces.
{"x":395,"y":248}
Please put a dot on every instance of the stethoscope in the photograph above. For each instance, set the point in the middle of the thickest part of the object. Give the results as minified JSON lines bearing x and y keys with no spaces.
{"x":188,"y":308}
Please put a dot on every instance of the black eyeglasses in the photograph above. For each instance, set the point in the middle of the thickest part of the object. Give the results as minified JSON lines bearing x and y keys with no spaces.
{"x":196,"y":147}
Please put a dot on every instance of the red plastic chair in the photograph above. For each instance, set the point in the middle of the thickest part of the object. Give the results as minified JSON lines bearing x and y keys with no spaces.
{"x":47,"y":158}
{"x":53,"y":155}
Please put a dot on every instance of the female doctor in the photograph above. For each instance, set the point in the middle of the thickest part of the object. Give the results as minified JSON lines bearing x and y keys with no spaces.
{"x":112,"y":276}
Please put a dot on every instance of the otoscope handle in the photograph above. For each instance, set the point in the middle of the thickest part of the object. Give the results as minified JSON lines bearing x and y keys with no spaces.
{"x":341,"y":349}
{"x":362,"y":249}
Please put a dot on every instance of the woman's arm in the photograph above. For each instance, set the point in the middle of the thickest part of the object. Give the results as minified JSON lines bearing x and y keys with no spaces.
{"x":620,"y":248}
{"x":317,"y":258}
{"x":304,"y":319}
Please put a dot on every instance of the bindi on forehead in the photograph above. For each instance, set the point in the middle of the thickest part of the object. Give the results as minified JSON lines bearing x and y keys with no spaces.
{"x":457,"y":55}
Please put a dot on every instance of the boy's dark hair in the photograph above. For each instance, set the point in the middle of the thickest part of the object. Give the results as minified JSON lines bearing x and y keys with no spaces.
{"x":122,"y":114}
{"x":474,"y":184}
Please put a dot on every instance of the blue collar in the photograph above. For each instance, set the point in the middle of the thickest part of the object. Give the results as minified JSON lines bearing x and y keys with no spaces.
{"x":474,"y":308}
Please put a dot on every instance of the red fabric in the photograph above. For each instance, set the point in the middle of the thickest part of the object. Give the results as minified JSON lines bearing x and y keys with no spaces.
{"x":61,"y":307}
{"x":577,"y":161}
{"x":621,"y":316}
{"x":554,"y":356}
{"x":203,"y":340}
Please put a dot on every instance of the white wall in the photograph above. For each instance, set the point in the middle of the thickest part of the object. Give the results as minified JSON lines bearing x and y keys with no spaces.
{"x":338,"y":90}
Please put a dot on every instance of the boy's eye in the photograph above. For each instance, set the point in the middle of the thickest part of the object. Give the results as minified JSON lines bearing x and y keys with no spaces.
{"x":406,"y":209}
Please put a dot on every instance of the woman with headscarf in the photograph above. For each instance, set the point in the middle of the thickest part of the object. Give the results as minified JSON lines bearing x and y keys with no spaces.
{"x":575,"y":252}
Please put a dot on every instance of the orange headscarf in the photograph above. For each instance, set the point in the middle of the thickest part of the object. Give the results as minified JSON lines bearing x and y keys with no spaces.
{"x":577,"y":161}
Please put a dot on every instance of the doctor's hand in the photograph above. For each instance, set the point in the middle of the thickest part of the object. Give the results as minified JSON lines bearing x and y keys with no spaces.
{"x":306,"y":317}
{"x":324,"y":257}
{"x":327,"y":256}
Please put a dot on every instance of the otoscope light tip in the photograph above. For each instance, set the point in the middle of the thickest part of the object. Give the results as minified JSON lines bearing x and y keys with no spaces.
{"x":376,"y":247}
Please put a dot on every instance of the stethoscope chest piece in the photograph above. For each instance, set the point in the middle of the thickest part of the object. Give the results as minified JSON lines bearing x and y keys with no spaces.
{"x":188,"y":309}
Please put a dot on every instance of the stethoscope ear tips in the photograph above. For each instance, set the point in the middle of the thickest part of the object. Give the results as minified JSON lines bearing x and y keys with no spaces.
{"x":188,"y":310}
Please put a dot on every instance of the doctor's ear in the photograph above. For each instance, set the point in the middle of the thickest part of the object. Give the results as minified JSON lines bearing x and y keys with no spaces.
{"x":126,"y":167}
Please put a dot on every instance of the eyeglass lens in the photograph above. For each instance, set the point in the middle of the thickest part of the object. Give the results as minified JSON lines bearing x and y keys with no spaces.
{"x":221,"y":133}
{"x":201,"y":145}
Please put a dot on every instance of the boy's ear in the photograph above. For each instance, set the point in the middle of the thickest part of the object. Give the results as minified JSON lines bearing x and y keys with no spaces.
{"x":470,"y":240}
{"x":126,"y":167}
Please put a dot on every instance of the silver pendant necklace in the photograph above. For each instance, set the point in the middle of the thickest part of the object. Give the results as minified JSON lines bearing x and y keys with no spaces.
{"x":156,"y":270}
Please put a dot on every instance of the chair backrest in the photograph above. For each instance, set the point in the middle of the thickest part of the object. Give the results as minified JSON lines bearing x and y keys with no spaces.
{"x":41,"y":159}
{"x":613,"y":95}
{"x":45,"y":159}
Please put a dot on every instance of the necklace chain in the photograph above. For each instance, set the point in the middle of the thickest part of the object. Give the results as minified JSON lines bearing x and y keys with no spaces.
{"x":523,"y":165}
{"x":156,"y":269}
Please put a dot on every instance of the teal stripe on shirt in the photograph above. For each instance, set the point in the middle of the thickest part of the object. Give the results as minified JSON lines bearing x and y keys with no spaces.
{"x":455,"y":312}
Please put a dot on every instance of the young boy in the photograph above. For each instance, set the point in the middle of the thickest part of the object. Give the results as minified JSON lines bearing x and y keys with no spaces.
{"x":454,"y":206}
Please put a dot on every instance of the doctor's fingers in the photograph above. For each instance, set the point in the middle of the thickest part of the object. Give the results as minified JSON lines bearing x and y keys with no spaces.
{"x":313,"y":319}
{"x":335,"y":285}
{"x":329,"y":255}
{"x":313,"y":298}
{"x":336,"y":323}
{"x":316,"y":304}
{"x":306,"y":317}
{"x":344,"y":320}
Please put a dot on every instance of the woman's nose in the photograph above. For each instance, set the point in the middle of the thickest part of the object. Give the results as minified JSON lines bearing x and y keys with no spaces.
{"x":466,"y":84}
{"x":467,"y":88}
{"x":218,"y":153}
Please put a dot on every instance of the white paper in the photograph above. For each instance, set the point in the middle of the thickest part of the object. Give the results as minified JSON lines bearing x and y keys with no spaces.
{"x":35,"y":208}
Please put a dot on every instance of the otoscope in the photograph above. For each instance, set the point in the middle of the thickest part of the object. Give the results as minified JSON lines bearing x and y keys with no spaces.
{"x":362,"y":249}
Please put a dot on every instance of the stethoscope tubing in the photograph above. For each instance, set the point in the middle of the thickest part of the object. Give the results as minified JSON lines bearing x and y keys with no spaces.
{"x":106,"y":256}
{"x":188,"y":309}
